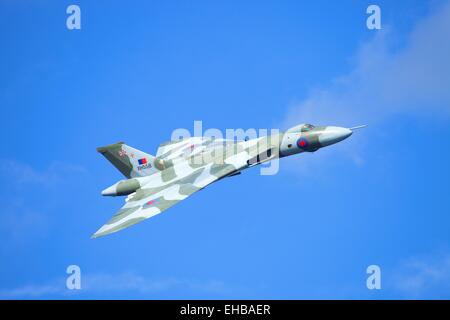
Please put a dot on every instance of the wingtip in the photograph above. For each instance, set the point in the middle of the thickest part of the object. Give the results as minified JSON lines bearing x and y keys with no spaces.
{"x":103,"y":231}
{"x":95,"y":236}
{"x":98,"y":233}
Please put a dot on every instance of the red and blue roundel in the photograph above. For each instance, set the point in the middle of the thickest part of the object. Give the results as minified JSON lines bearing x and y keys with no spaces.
{"x":302,"y":143}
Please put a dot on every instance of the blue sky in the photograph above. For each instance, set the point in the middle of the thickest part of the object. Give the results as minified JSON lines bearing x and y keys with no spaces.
{"x":135,"y":72}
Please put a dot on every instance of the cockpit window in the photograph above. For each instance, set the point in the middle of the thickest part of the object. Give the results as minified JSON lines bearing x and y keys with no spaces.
{"x":307,"y":127}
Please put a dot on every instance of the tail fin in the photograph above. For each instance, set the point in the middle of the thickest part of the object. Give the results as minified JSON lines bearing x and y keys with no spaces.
{"x":129,"y":161}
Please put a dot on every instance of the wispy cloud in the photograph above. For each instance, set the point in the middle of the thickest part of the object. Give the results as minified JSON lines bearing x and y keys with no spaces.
{"x":31,"y":291}
{"x":133,"y":282}
{"x":22,"y":173}
{"x":20,"y":218}
{"x":426,"y":276}
{"x":19,"y":223}
{"x":386,"y":81}
{"x":127,"y":282}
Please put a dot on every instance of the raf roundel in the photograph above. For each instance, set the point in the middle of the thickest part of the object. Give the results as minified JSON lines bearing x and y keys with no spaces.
{"x":302,"y":143}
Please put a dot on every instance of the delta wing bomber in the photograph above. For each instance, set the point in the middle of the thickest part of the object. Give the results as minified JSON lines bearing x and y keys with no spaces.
{"x":180,"y":168}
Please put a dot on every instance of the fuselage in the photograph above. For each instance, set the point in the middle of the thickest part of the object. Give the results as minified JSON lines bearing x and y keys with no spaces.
{"x":180,"y":168}
{"x":181,"y":159}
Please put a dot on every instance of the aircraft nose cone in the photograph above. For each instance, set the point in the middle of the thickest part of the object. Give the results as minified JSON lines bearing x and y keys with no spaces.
{"x":333,"y":135}
{"x":110,"y":191}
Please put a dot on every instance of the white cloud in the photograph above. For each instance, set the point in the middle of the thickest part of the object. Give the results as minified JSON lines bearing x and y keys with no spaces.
{"x":133,"y":282}
{"x":21,"y":173}
{"x":128,"y":282}
{"x":414,"y":78}
{"x":19,"y":224}
{"x":21,"y":221}
{"x":427,"y":276}
{"x":30,"y":292}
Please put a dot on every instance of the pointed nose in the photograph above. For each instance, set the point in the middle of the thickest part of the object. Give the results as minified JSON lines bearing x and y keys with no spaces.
{"x":110,"y":191}
{"x":332,"y":135}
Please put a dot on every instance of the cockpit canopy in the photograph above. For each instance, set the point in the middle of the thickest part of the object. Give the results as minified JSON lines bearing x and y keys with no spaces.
{"x":305,"y":127}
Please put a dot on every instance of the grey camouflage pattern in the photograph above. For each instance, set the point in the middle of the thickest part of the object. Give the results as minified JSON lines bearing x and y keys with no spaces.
{"x":181,"y":168}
